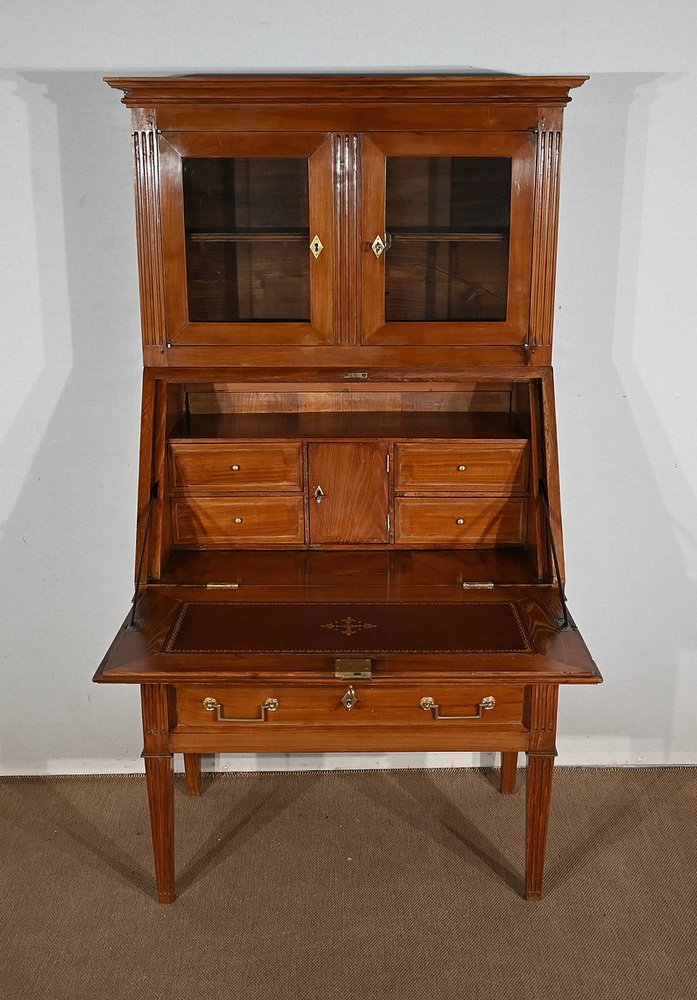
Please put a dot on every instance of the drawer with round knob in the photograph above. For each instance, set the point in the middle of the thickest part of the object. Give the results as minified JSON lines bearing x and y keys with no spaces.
{"x":235,"y":468}
{"x":460,"y":520}
{"x":470,"y":466}
{"x":246,"y":520}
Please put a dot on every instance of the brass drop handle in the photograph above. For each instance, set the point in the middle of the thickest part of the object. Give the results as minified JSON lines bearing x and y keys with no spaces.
{"x":380,"y":244}
{"x":459,"y":520}
{"x":319,"y":494}
{"x":316,"y":246}
{"x":211,"y":705}
{"x":485,"y":705}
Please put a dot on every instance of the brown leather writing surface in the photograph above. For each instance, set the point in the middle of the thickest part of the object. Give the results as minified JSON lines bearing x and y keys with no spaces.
{"x":339,"y":628}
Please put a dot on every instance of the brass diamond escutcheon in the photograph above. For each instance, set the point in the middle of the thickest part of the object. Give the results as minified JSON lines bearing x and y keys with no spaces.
{"x":348,"y":625}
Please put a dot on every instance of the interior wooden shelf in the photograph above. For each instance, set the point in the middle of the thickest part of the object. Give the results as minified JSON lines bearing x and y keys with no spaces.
{"x":259,"y":236}
{"x":445,"y":237}
{"x":358,"y":424}
{"x":380,"y":572}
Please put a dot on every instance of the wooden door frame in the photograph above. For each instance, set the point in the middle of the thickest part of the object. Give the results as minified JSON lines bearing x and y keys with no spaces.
{"x":520,"y":147}
{"x":318,"y":148}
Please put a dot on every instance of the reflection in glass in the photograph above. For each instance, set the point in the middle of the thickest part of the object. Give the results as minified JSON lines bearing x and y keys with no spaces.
{"x":247,"y":238}
{"x":448,"y":218}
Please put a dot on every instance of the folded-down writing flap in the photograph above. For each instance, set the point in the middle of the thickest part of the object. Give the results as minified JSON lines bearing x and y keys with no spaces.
{"x":188,"y":633}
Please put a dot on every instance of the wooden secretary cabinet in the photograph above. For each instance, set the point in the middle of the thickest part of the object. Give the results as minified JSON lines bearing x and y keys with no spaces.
{"x":349,"y":531}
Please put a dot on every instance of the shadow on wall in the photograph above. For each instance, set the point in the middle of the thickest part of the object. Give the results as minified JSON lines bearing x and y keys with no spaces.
{"x":67,"y":549}
{"x":626,"y":572}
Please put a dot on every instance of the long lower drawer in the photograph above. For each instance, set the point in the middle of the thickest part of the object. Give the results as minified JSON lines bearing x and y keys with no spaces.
{"x":357,"y":703}
{"x":460,"y":520}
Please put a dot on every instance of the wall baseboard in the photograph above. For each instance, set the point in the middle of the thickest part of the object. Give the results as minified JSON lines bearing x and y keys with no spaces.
{"x":347,"y":762}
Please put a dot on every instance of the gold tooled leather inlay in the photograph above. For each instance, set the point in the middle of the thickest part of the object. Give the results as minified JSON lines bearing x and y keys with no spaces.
{"x":348,"y":625}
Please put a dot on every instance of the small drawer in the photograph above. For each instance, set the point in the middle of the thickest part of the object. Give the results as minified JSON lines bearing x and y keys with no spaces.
{"x":357,"y":703}
{"x":232,"y":521}
{"x":235,"y":468}
{"x":460,"y":521}
{"x":470,"y":466}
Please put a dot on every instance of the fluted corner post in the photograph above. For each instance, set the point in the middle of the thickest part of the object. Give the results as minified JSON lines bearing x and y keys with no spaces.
{"x":542,"y":721}
{"x":545,"y":228}
{"x":146,"y":168}
{"x":160,"y":782}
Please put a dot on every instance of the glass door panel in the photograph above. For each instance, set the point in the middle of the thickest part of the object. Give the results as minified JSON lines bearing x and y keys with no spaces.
{"x":250,"y":221}
{"x":454,"y":216}
{"x":247,"y":222}
{"x":448,"y":219}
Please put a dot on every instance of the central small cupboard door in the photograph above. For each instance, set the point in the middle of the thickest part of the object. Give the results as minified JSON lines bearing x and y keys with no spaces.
{"x":249,"y":237}
{"x":348,"y":493}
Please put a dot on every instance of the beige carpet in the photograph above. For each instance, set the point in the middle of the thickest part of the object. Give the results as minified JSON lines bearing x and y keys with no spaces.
{"x":351,"y":886}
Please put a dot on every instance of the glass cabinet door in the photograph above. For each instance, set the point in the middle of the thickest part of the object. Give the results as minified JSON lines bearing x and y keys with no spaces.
{"x":446,"y":238}
{"x":249,"y":235}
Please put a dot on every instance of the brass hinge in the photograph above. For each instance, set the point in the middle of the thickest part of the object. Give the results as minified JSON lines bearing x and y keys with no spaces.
{"x":352,"y":669}
{"x":222,"y":586}
{"x":388,"y":462}
{"x":356,"y":376}
{"x":477,"y":585}
{"x":529,"y":349}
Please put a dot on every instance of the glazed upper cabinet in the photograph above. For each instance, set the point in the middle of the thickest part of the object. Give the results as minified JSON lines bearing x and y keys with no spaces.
{"x":446,"y":249}
{"x":255,"y":238}
{"x":242,"y":218}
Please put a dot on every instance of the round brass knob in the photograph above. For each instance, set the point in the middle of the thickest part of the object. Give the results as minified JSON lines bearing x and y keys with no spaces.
{"x":235,"y":468}
{"x":238,"y":520}
{"x":459,"y":520}
{"x":462,"y":468}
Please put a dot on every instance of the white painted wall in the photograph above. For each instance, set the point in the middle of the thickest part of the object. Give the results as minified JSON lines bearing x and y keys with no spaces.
{"x":626,"y":357}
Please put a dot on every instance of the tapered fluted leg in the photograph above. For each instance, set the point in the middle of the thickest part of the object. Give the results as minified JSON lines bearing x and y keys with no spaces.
{"x":539,"y":793}
{"x":509,"y":771}
{"x":160,"y":779}
{"x":192,"y":773}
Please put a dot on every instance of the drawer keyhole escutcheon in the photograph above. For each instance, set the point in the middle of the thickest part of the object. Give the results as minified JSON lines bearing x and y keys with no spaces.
{"x":319,"y":494}
{"x":430,"y":705}
{"x":211,"y":705}
{"x":350,"y":699}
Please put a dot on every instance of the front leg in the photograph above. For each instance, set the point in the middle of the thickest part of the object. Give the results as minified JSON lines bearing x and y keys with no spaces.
{"x":160,"y":779}
{"x":539,"y":794}
{"x":159,"y":773}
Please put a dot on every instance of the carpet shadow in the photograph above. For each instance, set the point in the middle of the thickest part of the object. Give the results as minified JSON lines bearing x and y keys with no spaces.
{"x":437,"y":817}
{"x":258,"y":806}
{"x":88,"y":835}
{"x":625,"y":814}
